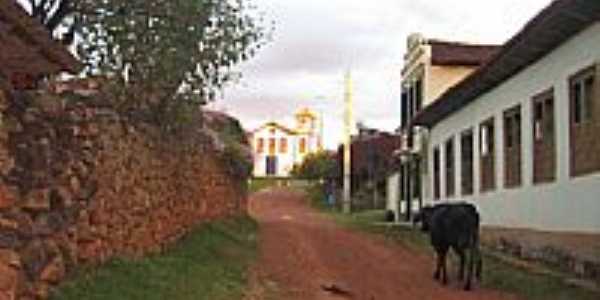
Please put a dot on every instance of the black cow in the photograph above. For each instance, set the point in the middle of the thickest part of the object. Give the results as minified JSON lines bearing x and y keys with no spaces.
{"x":456,"y":226}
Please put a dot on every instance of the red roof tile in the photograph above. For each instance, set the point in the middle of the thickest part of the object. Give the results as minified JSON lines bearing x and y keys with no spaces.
{"x":26,"y":47}
{"x":452,"y":53}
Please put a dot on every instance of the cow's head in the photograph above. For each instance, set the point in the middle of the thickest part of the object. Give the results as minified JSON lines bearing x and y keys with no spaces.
{"x":423,"y":217}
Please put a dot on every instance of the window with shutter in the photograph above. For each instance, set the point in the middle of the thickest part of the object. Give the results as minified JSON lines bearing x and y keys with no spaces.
{"x":544,"y":145}
{"x":584,"y":105}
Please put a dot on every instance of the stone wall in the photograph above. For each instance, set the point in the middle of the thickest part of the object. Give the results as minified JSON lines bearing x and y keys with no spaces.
{"x":80,"y":186}
{"x":573,"y":253}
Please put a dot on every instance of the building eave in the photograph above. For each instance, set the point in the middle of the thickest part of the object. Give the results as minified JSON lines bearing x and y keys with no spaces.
{"x":557,"y":23}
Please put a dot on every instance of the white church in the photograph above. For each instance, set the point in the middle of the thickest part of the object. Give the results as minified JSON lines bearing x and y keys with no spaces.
{"x":277,"y":148}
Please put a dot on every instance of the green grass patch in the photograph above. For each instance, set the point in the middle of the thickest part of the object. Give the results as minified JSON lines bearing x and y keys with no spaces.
{"x":364,"y":220}
{"x":210,"y":263}
{"x":258,"y":184}
{"x":498,"y":273}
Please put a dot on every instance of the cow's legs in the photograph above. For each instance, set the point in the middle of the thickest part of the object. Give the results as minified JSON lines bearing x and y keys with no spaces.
{"x":438,"y":266}
{"x":479,"y":265}
{"x":478,"y":254}
{"x":445,"y":268}
{"x":440,"y":272}
{"x":461,"y":256}
{"x":441,"y":263}
{"x":474,"y":257}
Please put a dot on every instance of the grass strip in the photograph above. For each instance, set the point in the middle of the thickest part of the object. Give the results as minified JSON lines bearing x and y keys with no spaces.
{"x":210,"y":263}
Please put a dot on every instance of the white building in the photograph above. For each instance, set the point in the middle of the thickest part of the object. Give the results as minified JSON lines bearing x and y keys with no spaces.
{"x":277,"y":148}
{"x":430,"y":68}
{"x":520,"y":138}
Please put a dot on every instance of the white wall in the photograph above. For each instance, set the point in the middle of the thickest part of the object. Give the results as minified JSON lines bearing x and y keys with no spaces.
{"x":393,"y":193}
{"x":285,"y":162}
{"x":568,"y":204}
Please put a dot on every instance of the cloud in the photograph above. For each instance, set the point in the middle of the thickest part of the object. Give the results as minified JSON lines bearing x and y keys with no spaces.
{"x":309,"y":40}
{"x":316,"y":41}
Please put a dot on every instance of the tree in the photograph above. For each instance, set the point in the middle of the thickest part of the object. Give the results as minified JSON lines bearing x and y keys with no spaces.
{"x":167,"y":57}
{"x":54,"y":14}
{"x":316,"y":166}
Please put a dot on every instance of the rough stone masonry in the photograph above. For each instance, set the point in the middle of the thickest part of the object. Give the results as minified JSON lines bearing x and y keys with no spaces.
{"x":80,"y":186}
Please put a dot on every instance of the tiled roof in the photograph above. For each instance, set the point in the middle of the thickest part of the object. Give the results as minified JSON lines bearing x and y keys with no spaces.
{"x":276,"y":125}
{"x":452,"y":53}
{"x":557,"y":23}
{"x":27,"y":48}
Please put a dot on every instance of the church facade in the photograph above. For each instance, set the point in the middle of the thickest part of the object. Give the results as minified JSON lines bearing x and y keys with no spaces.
{"x":278,"y":148}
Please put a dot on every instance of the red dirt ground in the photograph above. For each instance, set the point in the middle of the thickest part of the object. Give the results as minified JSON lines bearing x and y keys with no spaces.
{"x":302,"y":250}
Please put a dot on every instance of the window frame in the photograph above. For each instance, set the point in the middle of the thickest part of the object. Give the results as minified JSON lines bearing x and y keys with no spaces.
{"x":508,"y":131}
{"x":538,"y":119}
{"x":260,"y":145}
{"x":586,"y":102}
{"x":467,"y":133}
{"x":437,"y":182}
{"x":272,"y":146}
{"x":487,"y":158}
{"x":450,"y":166}
{"x":303,"y":145}
{"x":283,"y":145}
{"x":546,"y":141}
{"x":542,"y":128}
{"x":419,"y":92}
{"x":404,"y":107}
{"x":584,"y":119}
{"x":513,"y":146}
{"x":487,"y":132}
{"x":512,"y":134}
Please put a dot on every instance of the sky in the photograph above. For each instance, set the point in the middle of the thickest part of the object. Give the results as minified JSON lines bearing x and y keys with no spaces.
{"x":315,"y":41}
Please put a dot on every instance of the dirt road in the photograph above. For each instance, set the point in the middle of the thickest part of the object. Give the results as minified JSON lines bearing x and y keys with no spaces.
{"x":303,"y":251}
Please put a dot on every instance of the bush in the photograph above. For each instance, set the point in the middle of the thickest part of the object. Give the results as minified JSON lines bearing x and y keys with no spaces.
{"x":316,"y":166}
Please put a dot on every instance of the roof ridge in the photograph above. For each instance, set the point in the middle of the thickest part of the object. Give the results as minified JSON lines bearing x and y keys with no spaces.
{"x":275,"y":124}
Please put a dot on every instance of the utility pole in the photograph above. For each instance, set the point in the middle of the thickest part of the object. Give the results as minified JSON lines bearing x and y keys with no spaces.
{"x":348,"y":121}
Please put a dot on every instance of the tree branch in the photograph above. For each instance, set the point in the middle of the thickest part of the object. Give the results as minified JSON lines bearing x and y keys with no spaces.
{"x":35,"y":8}
{"x":65,"y":8}
{"x":43,"y":11}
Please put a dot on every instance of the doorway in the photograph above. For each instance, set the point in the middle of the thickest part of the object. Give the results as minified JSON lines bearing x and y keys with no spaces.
{"x":271,"y":165}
